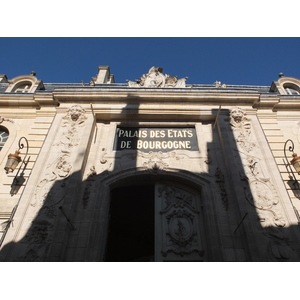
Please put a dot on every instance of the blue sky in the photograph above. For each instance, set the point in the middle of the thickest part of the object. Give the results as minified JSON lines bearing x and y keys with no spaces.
{"x":245,"y":61}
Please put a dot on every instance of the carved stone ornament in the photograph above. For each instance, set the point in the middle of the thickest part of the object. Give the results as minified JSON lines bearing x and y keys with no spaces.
{"x":219,"y":84}
{"x":220,"y":179}
{"x":60,"y":167}
{"x":180,"y":229}
{"x":155,"y":159}
{"x":180,"y":222}
{"x":51,"y":189}
{"x":241,"y":126}
{"x":259,"y":191}
{"x":75,"y":116}
{"x":280,"y":246}
{"x":155,"y":79}
{"x":5,"y":119}
{"x":264,"y":198}
{"x":88,"y":185}
{"x":103,"y":160}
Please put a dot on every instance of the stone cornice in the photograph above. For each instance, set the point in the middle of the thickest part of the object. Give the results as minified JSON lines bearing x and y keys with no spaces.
{"x":23,"y":100}
{"x":278,"y":102}
{"x":156,"y":95}
{"x":20,"y":100}
{"x":45,"y":100}
{"x":288,"y":103}
{"x":140,"y":96}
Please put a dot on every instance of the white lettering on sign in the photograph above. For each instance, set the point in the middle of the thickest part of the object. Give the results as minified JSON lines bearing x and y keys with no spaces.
{"x":132,"y":133}
{"x":161,"y":139}
{"x":163,"y":144}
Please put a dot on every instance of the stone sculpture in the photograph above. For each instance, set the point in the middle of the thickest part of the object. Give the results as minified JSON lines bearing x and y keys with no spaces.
{"x":155,"y":78}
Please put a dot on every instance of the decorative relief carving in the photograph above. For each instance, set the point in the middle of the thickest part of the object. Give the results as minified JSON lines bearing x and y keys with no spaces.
{"x":88,"y":184}
{"x":219,"y":84}
{"x":208,"y":157}
{"x":175,"y":197}
{"x":155,"y":159}
{"x":75,"y":116}
{"x":103,"y":160}
{"x":264,"y":194}
{"x":60,"y":168}
{"x":259,"y":190}
{"x":69,"y":139}
{"x":5,"y":119}
{"x":279,"y":247}
{"x":155,"y":79}
{"x":265,"y":200}
{"x":57,"y":171}
{"x":220,"y":179}
{"x":152,"y":161}
{"x":180,"y":222}
{"x":180,"y":232}
{"x":241,"y":126}
{"x":37,"y":238}
{"x":51,"y":189}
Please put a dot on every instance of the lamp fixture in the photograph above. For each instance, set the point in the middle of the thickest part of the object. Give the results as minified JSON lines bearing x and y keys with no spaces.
{"x":13,"y":161}
{"x":295,"y":162}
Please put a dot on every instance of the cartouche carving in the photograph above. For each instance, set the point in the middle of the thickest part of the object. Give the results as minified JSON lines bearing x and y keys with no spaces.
{"x":179,"y":218}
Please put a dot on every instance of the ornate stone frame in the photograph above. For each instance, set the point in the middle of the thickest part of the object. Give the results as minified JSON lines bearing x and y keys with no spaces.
{"x":285,"y":82}
{"x":24,"y":79}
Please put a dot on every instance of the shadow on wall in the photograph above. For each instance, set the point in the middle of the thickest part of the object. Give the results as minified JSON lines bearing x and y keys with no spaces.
{"x":241,"y":214}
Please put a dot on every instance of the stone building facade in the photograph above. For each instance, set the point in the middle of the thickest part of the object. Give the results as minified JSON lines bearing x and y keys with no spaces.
{"x":154,"y":169}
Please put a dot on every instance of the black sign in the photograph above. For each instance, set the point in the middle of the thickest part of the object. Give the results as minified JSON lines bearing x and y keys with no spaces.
{"x":155,"y":139}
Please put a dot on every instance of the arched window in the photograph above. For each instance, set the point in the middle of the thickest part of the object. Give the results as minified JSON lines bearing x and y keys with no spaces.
{"x":24,"y":84}
{"x":22,"y":88}
{"x":3,"y":136}
{"x":291,"y":89}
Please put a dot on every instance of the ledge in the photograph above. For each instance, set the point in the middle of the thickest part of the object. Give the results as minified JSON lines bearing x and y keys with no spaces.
{"x":155,"y":95}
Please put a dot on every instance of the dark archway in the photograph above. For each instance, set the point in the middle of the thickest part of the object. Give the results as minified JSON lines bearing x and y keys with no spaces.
{"x":131,"y":225}
{"x":141,"y":207}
